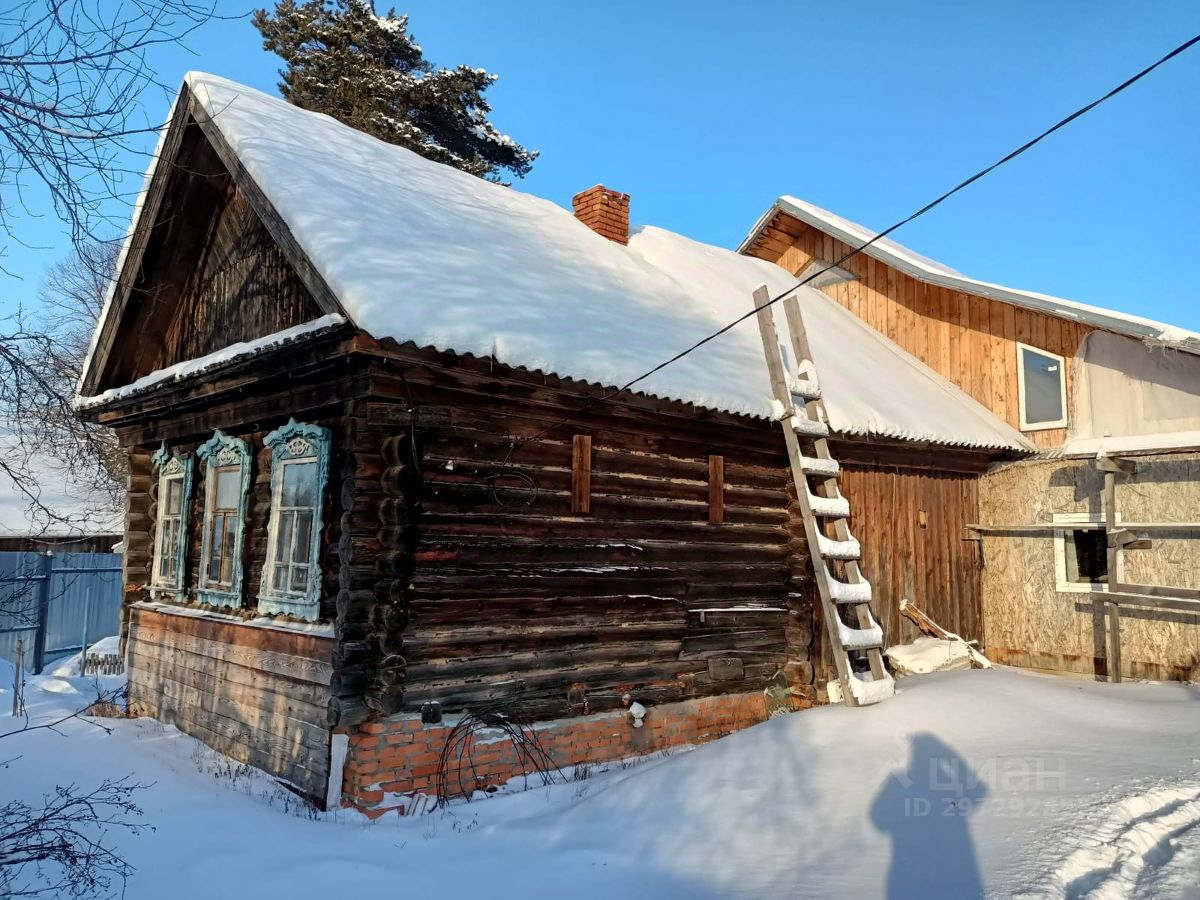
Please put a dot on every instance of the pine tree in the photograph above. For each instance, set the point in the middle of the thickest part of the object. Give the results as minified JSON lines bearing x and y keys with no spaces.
{"x":366,"y":70}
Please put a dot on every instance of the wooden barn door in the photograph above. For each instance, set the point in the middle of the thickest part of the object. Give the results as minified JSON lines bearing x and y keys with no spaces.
{"x":910,"y":523}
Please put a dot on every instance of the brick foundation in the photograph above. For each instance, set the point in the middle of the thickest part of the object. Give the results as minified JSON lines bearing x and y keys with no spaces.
{"x":400,"y":756}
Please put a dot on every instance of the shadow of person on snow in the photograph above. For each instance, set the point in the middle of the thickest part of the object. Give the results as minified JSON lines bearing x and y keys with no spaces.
{"x":924,"y":810}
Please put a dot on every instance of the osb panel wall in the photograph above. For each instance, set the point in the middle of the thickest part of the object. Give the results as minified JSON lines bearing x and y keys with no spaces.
{"x":969,"y":340}
{"x":1027,"y":621}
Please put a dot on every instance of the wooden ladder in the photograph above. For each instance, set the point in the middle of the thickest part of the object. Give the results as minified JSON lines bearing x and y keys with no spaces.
{"x":800,"y":409}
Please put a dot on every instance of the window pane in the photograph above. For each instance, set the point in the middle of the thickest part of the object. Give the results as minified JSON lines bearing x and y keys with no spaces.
{"x":1087,"y":556}
{"x":230,"y":548}
{"x":303,"y":536}
{"x":216,"y":536}
{"x":1043,"y":387}
{"x":281,"y":578}
{"x":299,"y":484}
{"x":227,"y":488}
{"x":283,"y":537}
{"x":174,"y":499}
{"x":299,"y":579}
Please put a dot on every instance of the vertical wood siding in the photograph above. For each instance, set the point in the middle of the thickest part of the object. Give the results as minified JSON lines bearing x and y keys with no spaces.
{"x":969,"y":340}
{"x":933,"y":566}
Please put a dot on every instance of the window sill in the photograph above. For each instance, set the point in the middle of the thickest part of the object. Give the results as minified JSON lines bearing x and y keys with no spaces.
{"x":214,"y":597}
{"x":300,"y":607}
{"x":317,"y":630}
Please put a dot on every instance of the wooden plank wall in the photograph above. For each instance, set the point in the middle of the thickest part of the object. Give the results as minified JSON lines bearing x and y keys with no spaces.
{"x":930,"y":564}
{"x":210,"y":276}
{"x":526,"y":599}
{"x":969,"y":340}
{"x":258,"y":695}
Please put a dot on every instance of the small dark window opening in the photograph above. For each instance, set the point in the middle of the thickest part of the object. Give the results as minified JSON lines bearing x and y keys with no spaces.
{"x":1087,"y":556}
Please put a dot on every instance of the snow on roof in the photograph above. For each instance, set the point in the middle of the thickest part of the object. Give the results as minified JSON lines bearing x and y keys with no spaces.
{"x":927,"y":270}
{"x":422,"y":252}
{"x":66,"y":505}
{"x":218,"y":358}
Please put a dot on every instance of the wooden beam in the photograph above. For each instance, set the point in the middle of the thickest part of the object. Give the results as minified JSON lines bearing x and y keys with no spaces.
{"x":581,"y":474}
{"x":1115,"y":465}
{"x":1151,"y":602}
{"x":1113,"y":653}
{"x":1156,"y":590}
{"x":716,"y":490}
{"x":1036,"y":528}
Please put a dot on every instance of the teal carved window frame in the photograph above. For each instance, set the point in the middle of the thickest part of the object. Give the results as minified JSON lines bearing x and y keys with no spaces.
{"x":296,"y":442}
{"x":218,"y":452}
{"x":171,"y":466}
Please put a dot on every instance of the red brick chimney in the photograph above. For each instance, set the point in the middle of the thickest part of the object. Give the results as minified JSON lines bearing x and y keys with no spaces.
{"x":605,"y":212}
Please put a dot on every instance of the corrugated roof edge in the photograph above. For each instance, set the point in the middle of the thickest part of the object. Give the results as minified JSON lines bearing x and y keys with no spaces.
{"x":914,"y":265}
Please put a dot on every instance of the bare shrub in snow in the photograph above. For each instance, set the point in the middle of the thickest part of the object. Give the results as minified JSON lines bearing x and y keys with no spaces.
{"x":63,"y":847}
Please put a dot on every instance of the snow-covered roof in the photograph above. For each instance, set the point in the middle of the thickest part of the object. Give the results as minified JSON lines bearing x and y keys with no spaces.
{"x":927,"y":270}
{"x":65,"y":505}
{"x":422,"y":252}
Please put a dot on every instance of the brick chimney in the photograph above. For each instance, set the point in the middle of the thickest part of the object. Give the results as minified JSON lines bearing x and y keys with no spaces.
{"x":605,"y":212}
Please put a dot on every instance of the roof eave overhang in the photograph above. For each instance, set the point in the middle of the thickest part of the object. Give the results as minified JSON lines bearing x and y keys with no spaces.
{"x":1095,"y":318}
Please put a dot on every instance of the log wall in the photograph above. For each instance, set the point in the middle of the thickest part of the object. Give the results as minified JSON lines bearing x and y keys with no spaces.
{"x":259,"y":695}
{"x":501,"y":589}
{"x":969,"y":340}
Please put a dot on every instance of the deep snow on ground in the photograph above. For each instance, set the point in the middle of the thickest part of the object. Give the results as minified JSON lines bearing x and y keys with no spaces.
{"x":1001,"y":781}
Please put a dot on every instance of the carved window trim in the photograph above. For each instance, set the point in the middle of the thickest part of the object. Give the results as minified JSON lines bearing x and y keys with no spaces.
{"x":171,"y":466}
{"x":296,"y":442}
{"x":219,"y":452}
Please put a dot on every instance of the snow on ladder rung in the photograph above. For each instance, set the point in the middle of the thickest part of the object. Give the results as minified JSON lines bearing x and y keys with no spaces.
{"x":843,"y":592}
{"x":875,"y":691}
{"x":815,"y":465}
{"x":809,"y":427}
{"x":805,"y":388}
{"x":834,"y":549}
{"x":829,"y":507}
{"x":860,"y":638}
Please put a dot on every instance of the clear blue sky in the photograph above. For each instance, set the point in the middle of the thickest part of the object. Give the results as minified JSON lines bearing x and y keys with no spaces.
{"x":706,"y":112}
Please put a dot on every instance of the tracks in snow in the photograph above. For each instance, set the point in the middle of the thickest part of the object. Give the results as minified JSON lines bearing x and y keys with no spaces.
{"x":1123,"y":844}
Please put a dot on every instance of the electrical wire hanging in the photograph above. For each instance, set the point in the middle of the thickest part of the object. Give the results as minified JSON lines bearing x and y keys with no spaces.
{"x":517,"y":445}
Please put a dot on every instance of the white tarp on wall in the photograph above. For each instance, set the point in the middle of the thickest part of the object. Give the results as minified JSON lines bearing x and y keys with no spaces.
{"x":1131,"y":396}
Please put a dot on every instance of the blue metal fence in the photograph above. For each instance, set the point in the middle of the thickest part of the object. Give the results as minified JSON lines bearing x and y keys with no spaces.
{"x":57,"y":603}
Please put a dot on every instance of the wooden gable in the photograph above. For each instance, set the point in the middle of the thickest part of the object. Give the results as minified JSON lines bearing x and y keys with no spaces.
{"x":969,"y":340}
{"x":209,"y":265}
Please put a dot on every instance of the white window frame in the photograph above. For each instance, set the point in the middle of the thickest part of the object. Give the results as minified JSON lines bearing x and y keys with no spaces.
{"x":277,"y":512}
{"x":1061,"y":584}
{"x":1062,"y":388}
{"x":220,"y":452}
{"x":171,"y":467}
{"x":296,"y":443}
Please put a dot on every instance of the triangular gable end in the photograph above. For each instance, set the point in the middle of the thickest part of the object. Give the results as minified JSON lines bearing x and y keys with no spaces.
{"x":208,"y":262}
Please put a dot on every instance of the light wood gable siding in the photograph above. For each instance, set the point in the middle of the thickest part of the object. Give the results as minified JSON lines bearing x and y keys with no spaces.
{"x":970,"y":340}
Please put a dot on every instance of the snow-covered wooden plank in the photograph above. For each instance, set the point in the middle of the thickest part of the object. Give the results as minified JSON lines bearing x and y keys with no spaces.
{"x":861,"y":638}
{"x":805,"y":389}
{"x":829,"y":507}
{"x":809,"y":427}
{"x":834,"y":549}
{"x":813,"y":465}
{"x":842,"y":592}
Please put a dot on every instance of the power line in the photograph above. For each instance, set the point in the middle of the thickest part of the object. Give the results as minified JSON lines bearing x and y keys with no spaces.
{"x":854,"y":252}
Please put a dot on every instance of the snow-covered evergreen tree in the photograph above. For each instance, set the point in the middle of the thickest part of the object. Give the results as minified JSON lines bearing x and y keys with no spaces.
{"x":364,"y":69}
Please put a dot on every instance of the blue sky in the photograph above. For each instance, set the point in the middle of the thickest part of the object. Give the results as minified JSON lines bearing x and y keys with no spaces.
{"x":706,"y":112}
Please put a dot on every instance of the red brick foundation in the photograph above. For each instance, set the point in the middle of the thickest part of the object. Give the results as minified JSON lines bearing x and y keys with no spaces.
{"x":397,"y":757}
